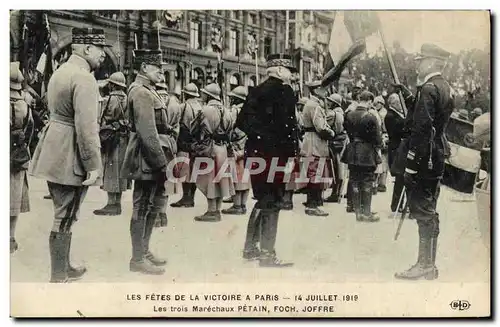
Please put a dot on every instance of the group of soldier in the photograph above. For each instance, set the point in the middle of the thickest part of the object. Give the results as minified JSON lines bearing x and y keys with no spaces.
{"x":134,"y":133}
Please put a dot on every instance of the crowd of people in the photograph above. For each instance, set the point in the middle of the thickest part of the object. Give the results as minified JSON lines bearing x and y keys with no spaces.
{"x":133,"y":134}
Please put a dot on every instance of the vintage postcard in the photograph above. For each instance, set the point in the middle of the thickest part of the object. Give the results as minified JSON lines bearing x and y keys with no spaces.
{"x":250,"y":163}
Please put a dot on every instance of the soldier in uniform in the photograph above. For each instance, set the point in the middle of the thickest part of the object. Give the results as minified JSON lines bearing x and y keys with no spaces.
{"x":268,"y":119}
{"x":315,"y":147}
{"x":335,"y":119}
{"x":68,"y":155}
{"x":394,"y":122}
{"x":361,"y":155}
{"x":189,"y":110}
{"x":152,"y":145}
{"x":114,"y":114}
{"x":382,"y":169}
{"x":421,"y":155}
{"x":237,"y":147}
{"x":293,"y":186}
{"x":215,"y":128}
{"x":21,"y":131}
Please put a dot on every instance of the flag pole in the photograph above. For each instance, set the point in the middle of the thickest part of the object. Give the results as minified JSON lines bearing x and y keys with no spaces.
{"x":392,"y":67}
{"x":256,"y":67}
{"x":287,"y":31}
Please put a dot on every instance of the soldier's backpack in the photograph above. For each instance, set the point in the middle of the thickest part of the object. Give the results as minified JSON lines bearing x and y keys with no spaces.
{"x":203,"y":141}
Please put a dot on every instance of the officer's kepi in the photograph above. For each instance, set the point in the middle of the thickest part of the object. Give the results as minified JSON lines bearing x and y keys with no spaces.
{"x":429,"y":50}
{"x":94,"y":36}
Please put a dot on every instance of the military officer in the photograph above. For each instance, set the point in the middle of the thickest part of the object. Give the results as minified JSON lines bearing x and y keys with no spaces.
{"x":237,"y":146}
{"x":315,"y":147}
{"x":268,"y":119}
{"x":151,"y":147}
{"x":189,"y":110}
{"x":361,"y":155}
{"x":21,"y":131}
{"x":68,"y":155}
{"x":335,"y":119}
{"x":114,"y":114}
{"x":421,"y":155}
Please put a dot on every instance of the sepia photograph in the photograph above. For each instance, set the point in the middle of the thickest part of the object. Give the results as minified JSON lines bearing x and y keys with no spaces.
{"x":250,"y":163}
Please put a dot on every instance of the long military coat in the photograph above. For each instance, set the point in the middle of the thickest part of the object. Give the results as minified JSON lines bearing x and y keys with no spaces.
{"x":216,"y":120}
{"x":114,"y":109}
{"x":69,"y":147}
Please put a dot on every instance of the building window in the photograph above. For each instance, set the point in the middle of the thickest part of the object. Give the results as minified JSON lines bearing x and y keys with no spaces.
{"x":237,"y":14}
{"x":195,"y":35}
{"x":253,"y":19}
{"x":219,"y":12}
{"x":269,"y":22}
{"x":267,"y":46}
{"x":281,"y":45}
{"x":234,"y":41}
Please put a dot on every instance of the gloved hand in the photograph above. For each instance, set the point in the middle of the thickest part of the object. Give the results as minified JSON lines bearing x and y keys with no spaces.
{"x":410,"y":179}
{"x":91,"y":178}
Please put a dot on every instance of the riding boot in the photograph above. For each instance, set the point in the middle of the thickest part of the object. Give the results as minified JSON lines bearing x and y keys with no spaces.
{"x":424,"y":268}
{"x":74,"y":273}
{"x":59,"y":251}
{"x":366,"y":204}
{"x":269,"y":225}
{"x":139,"y":263}
{"x":251,"y":250}
{"x":349,"y":195}
{"x":148,"y":231}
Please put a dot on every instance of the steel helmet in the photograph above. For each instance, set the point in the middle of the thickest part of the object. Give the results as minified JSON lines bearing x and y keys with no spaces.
{"x":118,"y":78}
{"x":335,"y":98}
{"x":191,"y":89}
{"x":212,"y":90}
{"x":239,"y":92}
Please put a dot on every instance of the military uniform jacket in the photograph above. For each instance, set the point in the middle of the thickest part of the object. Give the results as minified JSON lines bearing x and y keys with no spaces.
{"x":188,"y":111}
{"x":154,"y":131}
{"x":114,"y":108}
{"x":365,"y":138}
{"x":268,"y":119}
{"x":69,"y":146}
{"x":394,"y":123}
{"x":424,"y":146}
{"x":315,"y":124}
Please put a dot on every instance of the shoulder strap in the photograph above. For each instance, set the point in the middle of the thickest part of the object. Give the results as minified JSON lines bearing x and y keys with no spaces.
{"x":104,"y":110}
{"x":183,"y":112}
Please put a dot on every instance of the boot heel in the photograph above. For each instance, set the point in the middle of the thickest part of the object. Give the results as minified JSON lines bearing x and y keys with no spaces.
{"x":431,"y":275}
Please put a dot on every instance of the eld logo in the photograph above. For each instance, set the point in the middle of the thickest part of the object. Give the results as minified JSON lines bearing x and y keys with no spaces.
{"x":460,"y":305}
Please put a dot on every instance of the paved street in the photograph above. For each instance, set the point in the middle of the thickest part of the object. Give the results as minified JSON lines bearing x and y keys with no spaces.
{"x":331,"y":249}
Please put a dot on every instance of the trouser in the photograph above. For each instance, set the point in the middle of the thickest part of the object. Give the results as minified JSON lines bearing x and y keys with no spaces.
{"x":422,"y":202}
{"x":396,"y":193}
{"x":67,"y":200}
{"x":362,"y":184}
{"x":263,"y":222}
{"x":149,"y":199}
